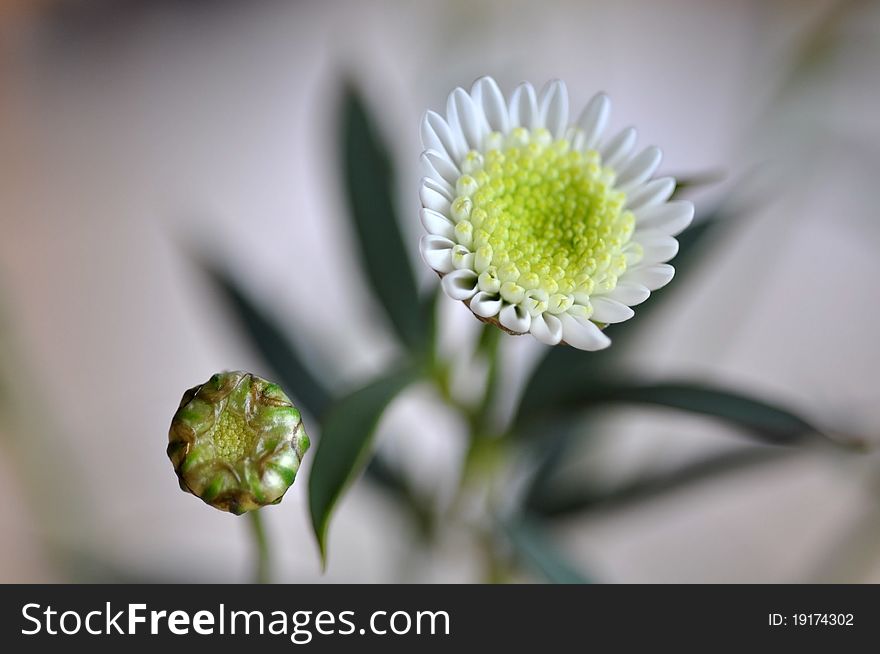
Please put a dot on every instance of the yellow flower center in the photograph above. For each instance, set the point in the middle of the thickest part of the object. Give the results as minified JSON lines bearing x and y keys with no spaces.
{"x":232,"y":437}
{"x":543,"y":220}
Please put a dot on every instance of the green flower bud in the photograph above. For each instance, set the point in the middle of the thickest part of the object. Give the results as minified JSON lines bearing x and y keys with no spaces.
{"x":236,"y":442}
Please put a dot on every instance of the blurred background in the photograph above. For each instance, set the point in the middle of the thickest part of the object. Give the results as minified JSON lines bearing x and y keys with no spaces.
{"x":135,"y":133}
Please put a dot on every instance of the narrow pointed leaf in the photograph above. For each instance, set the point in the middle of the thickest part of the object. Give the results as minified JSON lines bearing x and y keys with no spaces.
{"x":392,"y":481}
{"x":269,"y":340}
{"x":552,"y":452}
{"x":534,"y":549}
{"x":761,"y":420}
{"x":552,"y":503}
{"x":386,"y":477}
{"x":369,"y":185}
{"x":345,"y":444}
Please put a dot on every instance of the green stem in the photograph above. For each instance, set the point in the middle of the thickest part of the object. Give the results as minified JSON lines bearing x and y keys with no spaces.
{"x":482,"y":442}
{"x":261,"y":574}
{"x":484,"y":449}
{"x":495,"y":572}
{"x":488,"y":347}
{"x":433,"y":343}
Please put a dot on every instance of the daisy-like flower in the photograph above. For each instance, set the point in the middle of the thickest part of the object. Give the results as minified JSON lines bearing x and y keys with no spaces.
{"x":537,"y":223}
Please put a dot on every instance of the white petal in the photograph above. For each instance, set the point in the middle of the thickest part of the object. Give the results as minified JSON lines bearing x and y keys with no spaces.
{"x":437,"y":223}
{"x":439,"y":166}
{"x":629,"y":293}
{"x":515,"y":318}
{"x":615,"y":152}
{"x":524,"y":107}
{"x":594,"y":118}
{"x":462,"y":258}
{"x":486,"y":305}
{"x":669,"y":218}
{"x":486,"y":94}
{"x":461,"y":109}
{"x":460,"y":284}
{"x":575,"y":136}
{"x":437,"y":252}
{"x":651,"y":194}
{"x":640,"y":169}
{"x":547,"y":328}
{"x":433,"y":199}
{"x":657,"y":247}
{"x":554,"y":107}
{"x":584,"y":335}
{"x":633,"y":253}
{"x":607,"y":310}
{"x":651,"y":277}
{"x":437,"y":135}
{"x":440,"y":185}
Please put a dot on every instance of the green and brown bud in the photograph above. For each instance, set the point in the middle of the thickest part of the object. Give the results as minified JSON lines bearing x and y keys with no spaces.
{"x":236,"y":442}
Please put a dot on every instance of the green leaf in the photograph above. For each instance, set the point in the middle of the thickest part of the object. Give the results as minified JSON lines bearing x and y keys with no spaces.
{"x":534,"y":548}
{"x":345,"y":443}
{"x":369,"y":184}
{"x":552,"y":451}
{"x":386,"y":477}
{"x":764,"y":421}
{"x":551,"y":503}
{"x":391,"y":481}
{"x":268,"y":339}
{"x":564,"y":366}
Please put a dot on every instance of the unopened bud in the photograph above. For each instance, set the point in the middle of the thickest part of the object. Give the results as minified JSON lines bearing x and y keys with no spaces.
{"x":236,"y":442}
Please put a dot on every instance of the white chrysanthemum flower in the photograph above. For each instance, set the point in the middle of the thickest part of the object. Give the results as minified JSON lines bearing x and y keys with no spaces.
{"x":537,"y":223}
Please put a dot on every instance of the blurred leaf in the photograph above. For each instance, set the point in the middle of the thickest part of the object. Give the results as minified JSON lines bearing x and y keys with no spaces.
{"x":684,"y":184}
{"x":369,"y":184}
{"x":551,"y":451}
{"x":534,"y":548}
{"x":766,"y":422}
{"x":377,"y":471}
{"x":564,"y":366}
{"x":392,"y":482}
{"x":557,"y":503}
{"x":346,"y":438}
{"x":386,"y":477}
{"x":269,"y":340}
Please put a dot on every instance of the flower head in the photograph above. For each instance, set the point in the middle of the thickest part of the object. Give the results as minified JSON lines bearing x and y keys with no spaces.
{"x":236,"y":442}
{"x":539,"y":224}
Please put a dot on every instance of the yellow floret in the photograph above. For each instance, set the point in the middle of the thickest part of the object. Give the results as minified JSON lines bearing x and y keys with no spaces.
{"x":546,"y":216}
{"x":232,"y":437}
